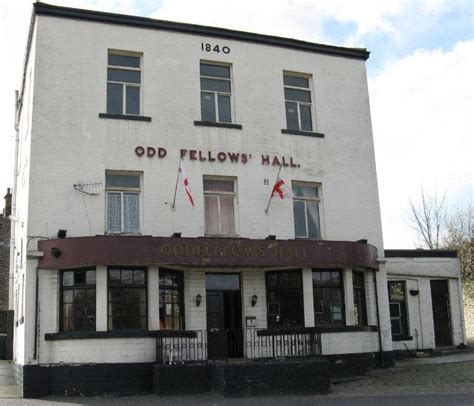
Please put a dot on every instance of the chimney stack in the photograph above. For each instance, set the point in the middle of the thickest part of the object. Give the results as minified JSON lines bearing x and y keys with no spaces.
{"x":8,"y":204}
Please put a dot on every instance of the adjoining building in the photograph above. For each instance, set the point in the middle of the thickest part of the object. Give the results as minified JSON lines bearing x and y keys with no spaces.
{"x":117,"y":283}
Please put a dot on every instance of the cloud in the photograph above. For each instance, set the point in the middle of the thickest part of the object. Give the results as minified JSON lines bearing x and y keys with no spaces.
{"x":423,"y":124}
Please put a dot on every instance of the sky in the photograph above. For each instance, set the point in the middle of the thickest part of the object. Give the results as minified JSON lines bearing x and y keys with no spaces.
{"x":420,"y":75}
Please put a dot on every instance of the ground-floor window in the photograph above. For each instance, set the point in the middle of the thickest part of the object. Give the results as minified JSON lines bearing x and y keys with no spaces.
{"x":360,"y":308}
{"x":78,"y":300}
{"x":171,"y":300}
{"x":127,"y":297}
{"x":398,"y":308}
{"x":328,"y":294}
{"x":285,"y":299}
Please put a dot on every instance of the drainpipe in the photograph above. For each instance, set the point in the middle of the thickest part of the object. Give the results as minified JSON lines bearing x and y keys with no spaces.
{"x":13,"y":215}
{"x":378,"y":320}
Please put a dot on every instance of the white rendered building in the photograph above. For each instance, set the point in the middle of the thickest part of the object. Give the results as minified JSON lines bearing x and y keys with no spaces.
{"x":114,"y":270}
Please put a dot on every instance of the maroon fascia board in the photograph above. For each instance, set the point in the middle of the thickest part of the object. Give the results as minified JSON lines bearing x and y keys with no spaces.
{"x":80,"y":252}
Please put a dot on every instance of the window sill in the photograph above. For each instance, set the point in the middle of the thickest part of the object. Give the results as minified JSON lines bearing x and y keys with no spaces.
{"x":84,"y":335}
{"x":124,"y":117}
{"x":306,"y":133}
{"x":346,"y":329}
{"x":214,"y":124}
{"x":402,"y":338}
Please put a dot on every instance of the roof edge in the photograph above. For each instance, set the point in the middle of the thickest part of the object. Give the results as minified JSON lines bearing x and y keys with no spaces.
{"x":144,"y":22}
{"x":420,"y":253}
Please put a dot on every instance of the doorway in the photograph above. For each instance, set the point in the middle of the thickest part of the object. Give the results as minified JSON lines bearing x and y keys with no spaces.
{"x":224,"y":316}
{"x":441,"y":314}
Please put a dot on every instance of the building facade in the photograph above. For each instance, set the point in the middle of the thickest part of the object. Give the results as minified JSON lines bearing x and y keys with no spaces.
{"x":117,"y":267}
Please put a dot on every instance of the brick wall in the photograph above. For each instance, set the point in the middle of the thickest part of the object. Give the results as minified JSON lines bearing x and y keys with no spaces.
{"x":4,"y":260}
{"x":468,"y":299}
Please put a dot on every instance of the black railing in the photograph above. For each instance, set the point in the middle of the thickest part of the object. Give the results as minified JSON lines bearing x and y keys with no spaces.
{"x":250,"y":343}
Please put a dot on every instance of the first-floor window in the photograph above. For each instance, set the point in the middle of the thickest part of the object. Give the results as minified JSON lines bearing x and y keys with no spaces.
{"x":398,"y":308}
{"x":306,"y":210}
{"x":171,"y":300}
{"x":123,"y":202}
{"x":285,"y":299}
{"x":360,"y":309}
{"x":127,"y":298}
{"x":219,"y":201}
{"x":78,"y":300}
{"x":328,"y":294}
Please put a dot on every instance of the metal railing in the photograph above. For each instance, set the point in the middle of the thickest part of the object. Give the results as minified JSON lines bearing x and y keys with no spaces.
{"x":249,"y":343}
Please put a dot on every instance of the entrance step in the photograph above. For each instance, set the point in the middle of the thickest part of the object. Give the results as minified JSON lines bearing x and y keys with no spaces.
{"x":8,"y":388}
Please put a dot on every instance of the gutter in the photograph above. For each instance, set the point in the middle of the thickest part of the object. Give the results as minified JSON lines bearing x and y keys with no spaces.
{"x":382,"y":363}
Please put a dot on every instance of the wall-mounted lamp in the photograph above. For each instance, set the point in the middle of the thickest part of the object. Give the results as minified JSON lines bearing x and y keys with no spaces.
{"x":62,"y":233}
{"x":254,"y":300}
{"x":176,"y":235}
{"x":55,"y":252}
{"x":271,"y":237}
{"x":362,"y":241}
{"x":414,"y":292}
{"x":198,"y":299}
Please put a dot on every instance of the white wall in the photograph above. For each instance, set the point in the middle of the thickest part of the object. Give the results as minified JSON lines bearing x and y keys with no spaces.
{"x":418,"y":272}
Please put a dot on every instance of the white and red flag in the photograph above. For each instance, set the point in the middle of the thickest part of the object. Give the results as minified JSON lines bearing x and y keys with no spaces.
{"x":282,"y":189}
{"x":183,"y":179}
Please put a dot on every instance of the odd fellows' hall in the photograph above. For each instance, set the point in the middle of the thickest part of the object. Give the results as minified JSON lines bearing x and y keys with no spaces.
{"x":127,"y":274}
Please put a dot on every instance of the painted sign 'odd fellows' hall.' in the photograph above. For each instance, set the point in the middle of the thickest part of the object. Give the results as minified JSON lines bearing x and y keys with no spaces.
{"x":186,"y":195}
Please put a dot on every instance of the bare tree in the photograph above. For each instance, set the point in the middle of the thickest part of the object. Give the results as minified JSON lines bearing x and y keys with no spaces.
{"x":427,"y":218}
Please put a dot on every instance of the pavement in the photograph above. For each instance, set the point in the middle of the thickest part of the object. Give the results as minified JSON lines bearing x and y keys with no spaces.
{"x":446,"y":380}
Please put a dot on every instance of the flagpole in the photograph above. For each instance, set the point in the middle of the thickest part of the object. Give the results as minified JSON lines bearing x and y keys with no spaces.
{"x":271,"y":195}
{"x":176,"y":186}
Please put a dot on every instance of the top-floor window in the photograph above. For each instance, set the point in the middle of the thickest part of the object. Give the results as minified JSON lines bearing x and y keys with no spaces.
{"x":216,"y":93}
{"x":123,"y":202}
{"x":298,"y":102}
{"x":124,"y":78}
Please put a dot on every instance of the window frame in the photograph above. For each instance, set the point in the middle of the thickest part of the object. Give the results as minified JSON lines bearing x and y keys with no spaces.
{"x":304,"y":199}
{"x":403,"y":321}
{"x":309,"y":89}
{"x":123,"y":190}
{"x":127,"y":286}
{"x":298,"y":288}
{"x":124,"y":84}
{"x":218,"y":194}
{"x":216,"y":92}
{"x":361,"y":298}
{"x":85,"y":286}
{"x":340,"y":287}
{"x":180,"y":289}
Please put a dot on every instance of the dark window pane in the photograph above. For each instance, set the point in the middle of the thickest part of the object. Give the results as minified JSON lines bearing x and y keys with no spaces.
{"x":394,"y":310}
{"x":90,"y":277}
{"x":292,"y":116}
{"x":336,"y":279}
{"x":68,"y":278}
{"x":224,"y":109}
{"x":301,"y":230}
{"x":396,"y":328}
{"x":215,"y":85}
{"x":123,"y":60}
{"x":132,"y":100}
{"x":139,"y":277}
{"x":127,"y":276}
{"x":122,"y":181}
{"x":326,"y":278}
{"x":114,"y":276}
{"x":305,"y":190}
{"x":79,"y":278}
{"x":121,"y":75}
{"x":215,"y":70}
{"x":125,"y":309}
{"x":219,"y":281}
{"x":295,"y":81}
{"x":317,"y":279}
{"x":208,"y":107}
{"x":216,"y":185}
{"x":298,"y":95}
{"x":306,"y":122}
{"x":114,"y":98}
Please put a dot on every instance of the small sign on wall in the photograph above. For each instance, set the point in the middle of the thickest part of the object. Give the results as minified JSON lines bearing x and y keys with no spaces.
{"x":251,"y":321}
